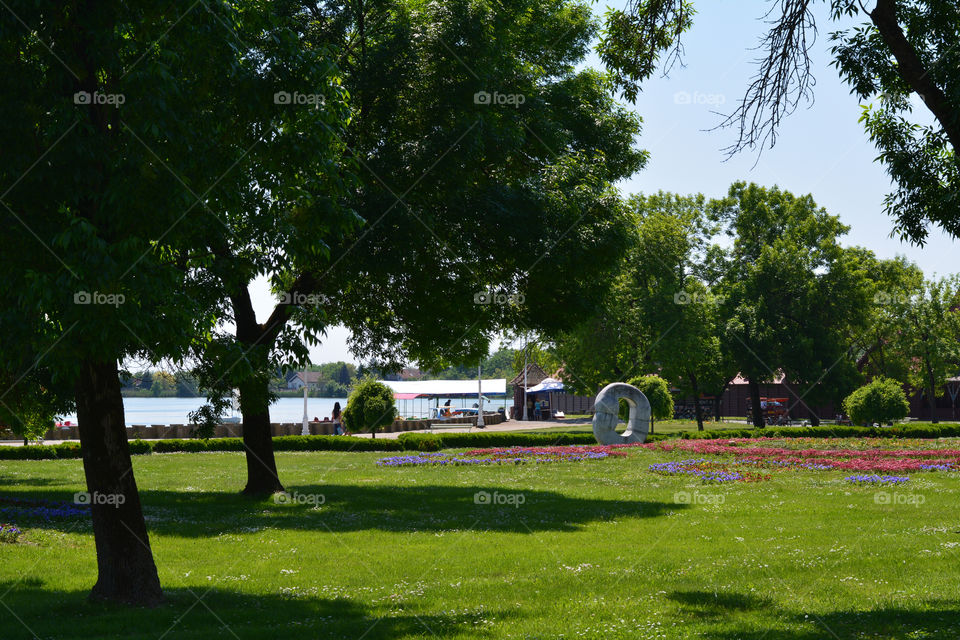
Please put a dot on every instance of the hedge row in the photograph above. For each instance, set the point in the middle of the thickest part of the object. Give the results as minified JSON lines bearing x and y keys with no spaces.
{"x":434,"y":442}
{"x":141,"y":447}
{"x":922,"y":431}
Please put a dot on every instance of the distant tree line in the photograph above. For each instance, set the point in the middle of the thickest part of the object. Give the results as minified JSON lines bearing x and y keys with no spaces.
{"x":159,"y":384}
{"x":758,"y":284}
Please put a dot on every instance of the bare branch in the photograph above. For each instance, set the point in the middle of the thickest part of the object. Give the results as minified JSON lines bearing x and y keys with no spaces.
{"x":784,"y":79}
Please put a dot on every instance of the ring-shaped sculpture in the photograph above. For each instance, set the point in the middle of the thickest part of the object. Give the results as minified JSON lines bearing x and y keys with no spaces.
{"x":606,"y":414}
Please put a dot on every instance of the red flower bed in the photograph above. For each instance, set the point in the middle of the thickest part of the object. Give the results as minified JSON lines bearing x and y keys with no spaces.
{"x":853,"y":459}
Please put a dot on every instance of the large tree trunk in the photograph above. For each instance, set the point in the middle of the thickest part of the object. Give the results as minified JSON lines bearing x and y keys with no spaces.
{"x":125,"y":568}
{"x":696,"y":399}
{"x":262,"y":476}
{"x":932,"y":400}
{"x":255,"y":339}
{"x":755,"y":403}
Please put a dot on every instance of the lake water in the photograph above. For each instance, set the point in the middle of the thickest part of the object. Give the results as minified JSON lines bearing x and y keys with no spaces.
{"x":175,"y":410}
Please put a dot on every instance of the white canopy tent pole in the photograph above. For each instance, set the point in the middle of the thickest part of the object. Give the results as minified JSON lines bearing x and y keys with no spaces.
{"x":524,"y":379}
{"x":479,"y":398}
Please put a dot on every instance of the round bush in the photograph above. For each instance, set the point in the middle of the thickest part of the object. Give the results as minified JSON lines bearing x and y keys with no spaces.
{"x":880,"y":401}
{"x":657,"y":391}
{"x":369,"y":407}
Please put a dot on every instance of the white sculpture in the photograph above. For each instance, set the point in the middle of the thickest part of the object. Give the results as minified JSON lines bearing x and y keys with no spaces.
{"x":606,"y":411}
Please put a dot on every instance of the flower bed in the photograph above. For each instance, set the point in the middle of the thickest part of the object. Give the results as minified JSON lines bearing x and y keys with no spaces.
{"x":45,"y":510}
{"x":857,"y":455}
{"x":9,"y":533}
{"x":505,"y":455}
{"x":876,"y":479}
{"x":708,"y":472}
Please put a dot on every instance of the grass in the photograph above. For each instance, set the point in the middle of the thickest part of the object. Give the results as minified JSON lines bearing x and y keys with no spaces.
{"x":601,"y":549}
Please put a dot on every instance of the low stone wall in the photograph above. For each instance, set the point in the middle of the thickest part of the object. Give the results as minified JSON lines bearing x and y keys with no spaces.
{"x":174,"y":431}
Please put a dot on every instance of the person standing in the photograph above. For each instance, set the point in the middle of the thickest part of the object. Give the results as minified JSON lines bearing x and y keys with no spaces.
{"x":335,"y":416}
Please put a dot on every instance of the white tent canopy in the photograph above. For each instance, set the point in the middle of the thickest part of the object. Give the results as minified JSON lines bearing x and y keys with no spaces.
{"x":548,"y":385}
{"x":446,"y":388}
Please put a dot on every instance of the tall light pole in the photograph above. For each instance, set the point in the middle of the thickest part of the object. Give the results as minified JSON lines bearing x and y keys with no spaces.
{"x":524,"y":377}
{"x":306,"y":426}
{"x":480,"y":424}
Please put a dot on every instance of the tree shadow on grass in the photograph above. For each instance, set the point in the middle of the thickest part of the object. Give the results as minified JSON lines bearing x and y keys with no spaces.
{"x":33,"y":481}
{"x":929,"y":619}
{"x":346,"y":508}
{"x":32,"y":611}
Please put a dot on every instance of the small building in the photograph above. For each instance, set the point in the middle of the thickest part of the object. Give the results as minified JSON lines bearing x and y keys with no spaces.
{"x":535,"y":375}
{"x":295,"y":380}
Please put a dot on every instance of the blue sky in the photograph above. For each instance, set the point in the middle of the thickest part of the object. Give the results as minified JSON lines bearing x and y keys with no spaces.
{"x":821,"y":150}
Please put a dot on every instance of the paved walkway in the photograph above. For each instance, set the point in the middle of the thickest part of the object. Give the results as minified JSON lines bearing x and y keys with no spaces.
{"x":509,"y":425}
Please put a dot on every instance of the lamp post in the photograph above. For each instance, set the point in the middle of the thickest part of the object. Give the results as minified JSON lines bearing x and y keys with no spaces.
{"x":480,"y":424}
{"x":306,"y":427}
{"x":524,"y":377}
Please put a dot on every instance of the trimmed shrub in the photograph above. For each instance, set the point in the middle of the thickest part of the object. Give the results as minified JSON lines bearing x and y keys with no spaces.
{"x":370,"y":407}
{"x":420,"y":441}
{"x":657,"y":391}
{"x":334,"y":443}
{"x":881,"y":401}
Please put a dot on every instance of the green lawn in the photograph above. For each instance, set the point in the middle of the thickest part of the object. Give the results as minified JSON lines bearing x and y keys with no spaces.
{"x":597,"y":549}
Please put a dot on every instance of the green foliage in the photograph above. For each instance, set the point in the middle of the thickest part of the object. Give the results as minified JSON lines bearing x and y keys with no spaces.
{"x":908,"y":430}
{"x":657,"y":391}
{"x":793,"y":296}
{"x":900,"y":57}
{"x":880,"y":401}
{"x":420,"y":441}
{"x":31,"y":404}
{"x":500,"y":364}
{"x":164,"y":384}
{"x":474,"y":172}
{"x":369,"y":407}
{"x":658,"y":307}
{"x":636,"y":37}
{"x":883,"y":347}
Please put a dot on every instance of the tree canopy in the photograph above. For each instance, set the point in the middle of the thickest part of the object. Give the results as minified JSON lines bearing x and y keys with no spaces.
{"x":900,"y":57}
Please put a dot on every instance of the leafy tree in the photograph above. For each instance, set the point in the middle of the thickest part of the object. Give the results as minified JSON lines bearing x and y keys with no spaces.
{"x":793,"y":295}
{"x":117,"y":135}
{"x":186,"y":385}
{"x":163,"y":384}
{"x":446,"y":181}
{"x":883,"y":350}
{"x":657,"y":391}
{"x":609,"y":344}
{"x":30,"y":405}
{"x":677,"y":306}
{"x":931,"y":337}
{"x":369,"y":407}
{"x":881,"y":401}
{"x":660,"y":314}
{"x":902,"y":55}
{"x":343,"y":374}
